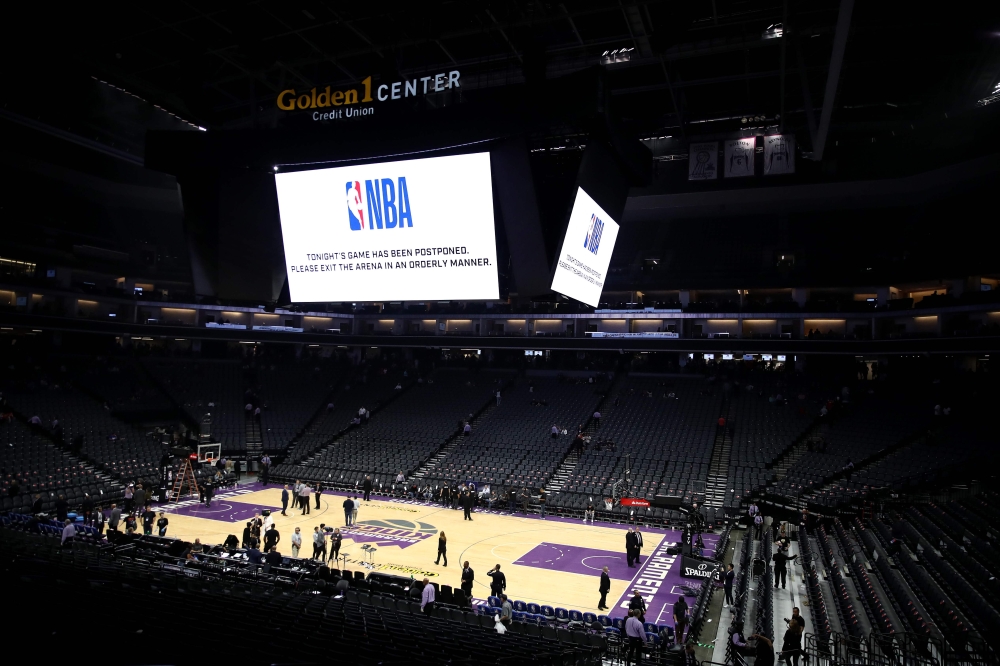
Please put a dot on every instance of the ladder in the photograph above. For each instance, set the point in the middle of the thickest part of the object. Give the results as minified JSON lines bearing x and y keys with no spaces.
{"x":185,"y":475}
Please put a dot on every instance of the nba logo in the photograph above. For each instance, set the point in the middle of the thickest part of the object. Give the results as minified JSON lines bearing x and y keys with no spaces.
{"x":593,"y":239}
{"x":355,"y":205}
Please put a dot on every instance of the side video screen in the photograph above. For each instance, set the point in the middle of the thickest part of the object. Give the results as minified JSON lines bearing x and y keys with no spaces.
{"x":410,"y":230}
{"x":582,"y":265}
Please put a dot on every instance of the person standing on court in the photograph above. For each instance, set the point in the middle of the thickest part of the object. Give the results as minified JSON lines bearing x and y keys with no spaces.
{"x":638,"y":605}
{"x":355,"y":505}
{"x":348,"y":511}
{"x":467,"y":501}
{"x":284,"y":500}
{"x":638,"y":546}
{"x":335,"y":540}
{"x":636,"y":634}
{"x":367,"y":487}
{"x":498,"y":581}
{"x":319,"y":542}
{"x":319,"y":492}
{"x":680,"y":619}
{"x":541,"y":502}
{"x":442,"y":549}
{"x":468,"y":576}
{"x":296,"y":542}
{"x":115,"y":518}
{"x":730,"y":576}
{"x":630,"y":545}
{"x":304,"y":499}
{"x":604,"y":589}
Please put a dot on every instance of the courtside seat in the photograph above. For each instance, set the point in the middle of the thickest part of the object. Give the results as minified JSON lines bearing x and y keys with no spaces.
{"x":534,"y":608}
{"x":549,"y":612}
{"x":575,"y":616}
{"x":520,"y":606}
{"x":562,"y":615}
{"x":605,"y":620}
{"x":589,"y":618}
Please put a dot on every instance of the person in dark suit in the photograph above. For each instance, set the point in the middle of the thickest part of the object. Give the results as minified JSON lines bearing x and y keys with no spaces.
{"x":498,"y":581}
{"x":638,"y":546}
{"x":638,"y":605}
{"x":604,"y":589}
{"x":335,"y":540}
{"x":781,"y":568}
{"x":630,"y":545}
{"x":680,"y":619}
{"x":115,"y":518}
{"x":36,"y":506}
{"x":247,"y":535}
{"x":367,"y":487}
{"x":284,"y":500}
{"x":468,"y":576}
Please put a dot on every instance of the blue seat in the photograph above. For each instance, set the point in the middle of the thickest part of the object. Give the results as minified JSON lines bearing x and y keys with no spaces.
{"x":575,"y":616}
{"x":534,"y":609}
{"x":651,"y":628}
{"x":562,"y":615}
{"x":652,"y":639}
{"x":518,"y":616}
{"x":540,"y":619}
{"x":494,"y":601}
{"x":588,"y":617}
{"x":604,"y":619}
{"x":548,"y":611}
{"x":618,"y":623}
{"x":613,"y":631}
{"x":520,"y":606}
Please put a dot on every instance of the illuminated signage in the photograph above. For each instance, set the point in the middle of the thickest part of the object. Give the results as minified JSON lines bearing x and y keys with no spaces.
{"x":361,"y":100}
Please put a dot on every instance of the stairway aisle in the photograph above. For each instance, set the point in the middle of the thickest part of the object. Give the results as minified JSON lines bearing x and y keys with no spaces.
{"x":718,"y":469}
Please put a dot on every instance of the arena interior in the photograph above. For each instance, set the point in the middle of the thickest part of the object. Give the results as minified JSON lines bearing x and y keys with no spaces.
{"x":578,"y":334}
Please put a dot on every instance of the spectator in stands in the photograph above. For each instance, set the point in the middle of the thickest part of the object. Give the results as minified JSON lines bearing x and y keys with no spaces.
{"x":506,"y":611}
{"x":604,"y":589}
{"x":284,"y":500}
{"x":796,"y":617}
{"x":498,"y":397}
{"x":635,"y":632}
{"x":319,"y":493}
{"x":62,"y":508}
{"x":791,"y":646}
{"x":355,"y":505}
{"x":764,"y":650}
{"x":588,"y":514}
{"x":498,"y":581}
{"x":367,"y":487}
{"x":231,"y":543}
{"x":555,"y":431}
{"x":348,"y":510}
{"x":296,"y":542}
{"x":730,"y":576}
{"x":849,"y":469}
{"x":161,"y":524}
{"x":115,"y":518}
{"x":68,"y":533}
{"x":597,"y":419}
{"x":304,"y":498}
{"x":36,"y":506}
{"x":467,"y":429}
{"x":781,"y":560}
{"x":400,"y":478}
{"x":427,"y":598}
{"x":758,"y":526}
{"x":468,"y":577}
{"x":273,"y":557}
{"x":680,"y":619}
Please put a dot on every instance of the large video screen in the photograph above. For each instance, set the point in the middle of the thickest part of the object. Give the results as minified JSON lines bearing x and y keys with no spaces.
{"x":582,"y":266}
{"x":410,"y":230}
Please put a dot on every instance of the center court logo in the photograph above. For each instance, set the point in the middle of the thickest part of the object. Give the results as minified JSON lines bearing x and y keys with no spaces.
{"x":378,"y":204}
{"x":392,"y":532}
{"x":593,"y":239}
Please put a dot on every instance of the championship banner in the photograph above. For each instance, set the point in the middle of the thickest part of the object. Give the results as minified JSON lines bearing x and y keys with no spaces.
{"x":703,"y":161}
{"x":694,"y":568}
{"x":634,"y":501}
{"x":779,"y":154}
{"x":739,"y":157}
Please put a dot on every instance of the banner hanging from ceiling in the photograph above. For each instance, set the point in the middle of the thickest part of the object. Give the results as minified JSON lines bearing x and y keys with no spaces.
{"x":779,"y":154}
{"x":739,"y":157}
{"x":703,"y":161}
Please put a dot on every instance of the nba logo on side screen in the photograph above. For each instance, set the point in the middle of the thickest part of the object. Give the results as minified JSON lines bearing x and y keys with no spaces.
{"x":593,"y":239}
{"x":378,"y":204}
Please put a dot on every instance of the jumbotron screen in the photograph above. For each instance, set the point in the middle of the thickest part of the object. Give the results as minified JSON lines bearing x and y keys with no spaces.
{"x":410,"y":230}
{"x":582,"y":266}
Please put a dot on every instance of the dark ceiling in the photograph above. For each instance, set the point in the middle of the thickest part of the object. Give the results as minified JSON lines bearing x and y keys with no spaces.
{"x":695,"y":68}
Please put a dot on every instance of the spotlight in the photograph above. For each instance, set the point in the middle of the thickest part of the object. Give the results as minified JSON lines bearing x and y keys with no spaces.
{"x":275,"y":168}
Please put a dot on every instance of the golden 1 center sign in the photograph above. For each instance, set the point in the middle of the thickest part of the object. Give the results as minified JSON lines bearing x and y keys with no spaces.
{"x":357,"y":102}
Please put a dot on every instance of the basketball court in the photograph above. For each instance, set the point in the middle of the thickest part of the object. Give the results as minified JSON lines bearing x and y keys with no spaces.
{"x":551,"y":561}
